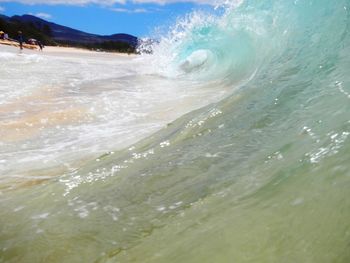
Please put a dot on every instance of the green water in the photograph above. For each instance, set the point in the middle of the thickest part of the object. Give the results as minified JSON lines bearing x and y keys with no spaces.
{"x":262,"y":176}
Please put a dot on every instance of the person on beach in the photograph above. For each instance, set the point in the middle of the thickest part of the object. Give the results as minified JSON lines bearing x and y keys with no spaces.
{"x":20,"y":39}
{"x":40,"y":45}
{"x":2,"y":35}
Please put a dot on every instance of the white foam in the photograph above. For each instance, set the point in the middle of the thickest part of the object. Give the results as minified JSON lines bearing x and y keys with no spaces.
{"x":60,"y":110}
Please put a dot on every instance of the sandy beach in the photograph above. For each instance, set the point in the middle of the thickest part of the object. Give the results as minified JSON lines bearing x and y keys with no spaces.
{"x":60,"y":50}
{"x":72,"y":50}
{"x":16,"y":44}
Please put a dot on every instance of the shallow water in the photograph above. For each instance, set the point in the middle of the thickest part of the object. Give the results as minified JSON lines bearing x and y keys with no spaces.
{"x":229,"y":144}
{"x":61,"y":111}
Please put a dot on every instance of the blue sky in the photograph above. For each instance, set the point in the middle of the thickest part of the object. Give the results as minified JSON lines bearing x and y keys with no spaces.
{"x":138,"y":17}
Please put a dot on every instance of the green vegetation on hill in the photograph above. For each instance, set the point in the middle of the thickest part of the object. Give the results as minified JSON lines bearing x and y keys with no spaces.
{"x":43,"y":33}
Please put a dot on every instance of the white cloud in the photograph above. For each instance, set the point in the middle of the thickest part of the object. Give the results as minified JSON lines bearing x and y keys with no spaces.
{"x":43,"y":15}
{"x":130,"y":11}
{"x":2,"y":9}
{"x":108,"y":2}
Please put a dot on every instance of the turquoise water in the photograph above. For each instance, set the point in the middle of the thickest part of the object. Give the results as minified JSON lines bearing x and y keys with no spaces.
{"x":260,"y":176}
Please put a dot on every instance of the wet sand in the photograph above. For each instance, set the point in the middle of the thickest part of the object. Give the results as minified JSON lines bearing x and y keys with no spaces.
{"x":37,"y":112}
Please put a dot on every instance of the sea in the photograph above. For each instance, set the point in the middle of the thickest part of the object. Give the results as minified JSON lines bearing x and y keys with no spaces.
{"x":226,"y":140}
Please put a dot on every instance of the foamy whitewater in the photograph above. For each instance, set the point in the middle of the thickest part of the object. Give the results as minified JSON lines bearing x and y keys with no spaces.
{"x":229,"y":143}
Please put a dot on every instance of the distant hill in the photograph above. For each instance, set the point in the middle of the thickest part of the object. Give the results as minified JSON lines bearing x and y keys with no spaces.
{"x":54,"y":34}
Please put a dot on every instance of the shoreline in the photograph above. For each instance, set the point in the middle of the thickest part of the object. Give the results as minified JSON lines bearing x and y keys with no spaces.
{"x":16,"y":44}
{"x":61,"y":50}
{"x":68,"y":50}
